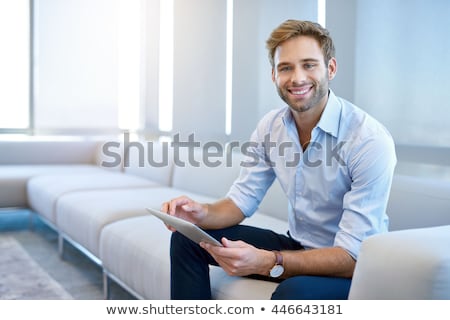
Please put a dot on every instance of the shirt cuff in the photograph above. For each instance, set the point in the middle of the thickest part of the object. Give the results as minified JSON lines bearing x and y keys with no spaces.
{"x":348,"y":243}
{"x":245,"y":206}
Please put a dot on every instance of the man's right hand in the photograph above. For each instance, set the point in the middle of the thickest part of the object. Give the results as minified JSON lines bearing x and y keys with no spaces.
{"x":185,"y":208}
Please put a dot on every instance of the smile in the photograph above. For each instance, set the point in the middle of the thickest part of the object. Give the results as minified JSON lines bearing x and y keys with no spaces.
{"x":300,"y":91}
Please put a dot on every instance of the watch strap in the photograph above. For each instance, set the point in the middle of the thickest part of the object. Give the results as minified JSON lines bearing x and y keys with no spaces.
{"x":277,"y":270}
{"x":278,"y":258}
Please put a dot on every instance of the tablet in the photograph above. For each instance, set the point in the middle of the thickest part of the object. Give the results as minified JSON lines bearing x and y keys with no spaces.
{"x":187,"y":228}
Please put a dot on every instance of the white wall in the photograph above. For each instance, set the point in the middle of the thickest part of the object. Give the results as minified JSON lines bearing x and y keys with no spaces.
{"x":254,"y":94}
{"x":402,"y":52}
{"x":246,"y":72}
{"x":273,"y":13}
{"x":199,"y":68}
{"x":341,"y":23}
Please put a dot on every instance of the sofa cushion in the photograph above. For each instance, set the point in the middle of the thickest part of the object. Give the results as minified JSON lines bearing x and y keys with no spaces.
{"x":136,"y":251}
{"x":208,"y":175}
{"x":81,"y":215}
{"x":226,"y":287}
{"x":161,"y":194}
{"x":44,"y":191}
{"x":14,"y":178}
{"x":150,"y":159}
{"x":418,"y":202}
{"x":143,"y":243}
{"x":263,"y":220}
{"x":409,"y":264}
{"x":49,"y":152}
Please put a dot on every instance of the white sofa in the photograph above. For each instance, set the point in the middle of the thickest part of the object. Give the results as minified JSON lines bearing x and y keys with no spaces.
{"x":102,"y":211}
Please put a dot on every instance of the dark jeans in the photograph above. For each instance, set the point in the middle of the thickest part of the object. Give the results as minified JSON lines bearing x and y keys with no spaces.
{"x":190,"y":267}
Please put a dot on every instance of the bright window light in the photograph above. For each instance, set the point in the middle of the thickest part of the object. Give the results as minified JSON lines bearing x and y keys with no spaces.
{"x":229,"y":69}
{"x":322,"y":12}
{"x":166,"y":39}
{"x":129,"y":63}
{"x":14,"y":63}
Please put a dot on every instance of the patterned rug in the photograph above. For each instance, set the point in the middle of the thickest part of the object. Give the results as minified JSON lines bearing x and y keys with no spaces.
{"x":21,"y":278}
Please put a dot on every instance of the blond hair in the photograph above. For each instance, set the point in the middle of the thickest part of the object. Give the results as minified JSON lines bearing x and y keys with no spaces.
{"x":294,"y":28}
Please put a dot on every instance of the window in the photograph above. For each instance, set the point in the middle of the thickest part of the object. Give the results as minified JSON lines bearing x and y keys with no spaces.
{"x":14,"y":64}
{"x":129,"y":64}
{"x":76,"y":87}
{"x":166,"y":66}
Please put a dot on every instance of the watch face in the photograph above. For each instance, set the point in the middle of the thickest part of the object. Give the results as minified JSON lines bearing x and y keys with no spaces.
{"x":276,"y":271}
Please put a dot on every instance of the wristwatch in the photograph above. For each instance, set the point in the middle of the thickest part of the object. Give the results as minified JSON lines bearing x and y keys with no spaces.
{"x":278,"y":269}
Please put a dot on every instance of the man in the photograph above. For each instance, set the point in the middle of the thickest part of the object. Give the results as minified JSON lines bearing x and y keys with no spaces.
{"x":338,"y":189}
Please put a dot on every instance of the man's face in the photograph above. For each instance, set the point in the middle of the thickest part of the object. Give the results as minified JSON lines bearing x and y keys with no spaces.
{"x":300,"y":73}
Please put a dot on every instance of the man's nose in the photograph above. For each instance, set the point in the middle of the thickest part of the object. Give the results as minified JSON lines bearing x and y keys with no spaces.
{"x":298,"y":75}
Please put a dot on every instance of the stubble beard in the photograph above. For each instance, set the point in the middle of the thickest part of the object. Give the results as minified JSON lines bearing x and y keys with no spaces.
{"x":320,"y":90}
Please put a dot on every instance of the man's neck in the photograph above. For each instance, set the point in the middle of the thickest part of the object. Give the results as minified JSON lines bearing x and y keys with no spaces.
{"x":306,"y":121}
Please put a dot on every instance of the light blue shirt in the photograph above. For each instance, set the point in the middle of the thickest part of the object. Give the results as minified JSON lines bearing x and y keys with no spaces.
{"x":337,"y":189}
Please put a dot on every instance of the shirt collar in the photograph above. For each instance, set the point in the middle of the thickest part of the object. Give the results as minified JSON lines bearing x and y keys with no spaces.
{"x":331,"y":116}
{"x":330,"y":119}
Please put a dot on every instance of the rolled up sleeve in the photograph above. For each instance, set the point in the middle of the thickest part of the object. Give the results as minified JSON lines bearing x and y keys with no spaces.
{"x":364,"y":205}
{"x":254,"y":180}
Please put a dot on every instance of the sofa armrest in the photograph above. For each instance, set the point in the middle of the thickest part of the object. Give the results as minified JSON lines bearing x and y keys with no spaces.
{"x":410,"y":264}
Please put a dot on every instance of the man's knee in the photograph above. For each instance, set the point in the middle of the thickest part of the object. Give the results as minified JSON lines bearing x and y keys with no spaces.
{"x":312,"y":288}
{"x":179,"y":244}
{"x":182,"y":248}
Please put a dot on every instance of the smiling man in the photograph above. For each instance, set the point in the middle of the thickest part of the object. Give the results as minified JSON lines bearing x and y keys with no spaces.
{"x":337,"y":192}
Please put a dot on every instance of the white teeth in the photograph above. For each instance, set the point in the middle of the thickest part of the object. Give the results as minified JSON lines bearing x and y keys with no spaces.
{"x":301,"y":92}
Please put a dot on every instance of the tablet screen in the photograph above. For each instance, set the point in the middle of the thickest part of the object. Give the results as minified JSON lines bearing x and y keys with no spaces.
{"x":187,"y":228}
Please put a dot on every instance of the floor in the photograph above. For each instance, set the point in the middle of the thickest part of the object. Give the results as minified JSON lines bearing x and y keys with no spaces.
{"x":79,"y":275}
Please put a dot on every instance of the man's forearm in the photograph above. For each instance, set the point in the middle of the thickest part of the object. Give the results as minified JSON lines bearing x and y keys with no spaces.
{"x":333,"y":261}
{"x":221,"y":214}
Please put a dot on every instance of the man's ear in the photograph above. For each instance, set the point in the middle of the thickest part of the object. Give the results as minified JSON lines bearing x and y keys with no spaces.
{"x":273,"y":75}
{"x":332,"y":68}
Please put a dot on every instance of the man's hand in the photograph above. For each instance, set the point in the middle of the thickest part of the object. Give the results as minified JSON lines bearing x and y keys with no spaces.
{"x":184,"y":208}
{"x":238,"y":258}
{"x":221,"y":214}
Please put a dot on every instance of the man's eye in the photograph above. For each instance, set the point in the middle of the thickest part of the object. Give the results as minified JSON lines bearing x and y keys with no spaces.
{"x":309,"y":66}
{"x":284,"y":69}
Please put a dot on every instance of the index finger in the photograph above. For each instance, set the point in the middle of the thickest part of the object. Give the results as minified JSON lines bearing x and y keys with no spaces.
{"x":177,"y":202}
{"x":165,"y":207}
